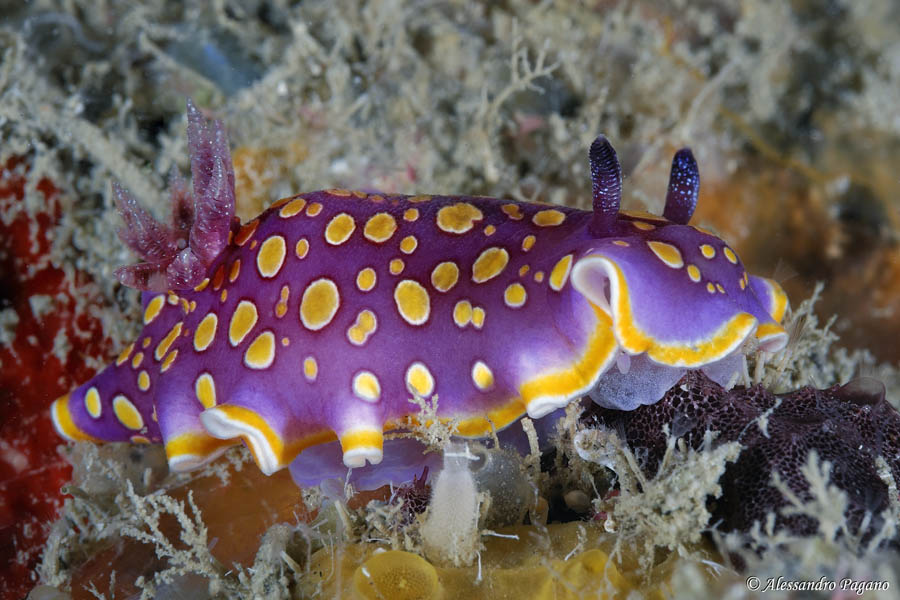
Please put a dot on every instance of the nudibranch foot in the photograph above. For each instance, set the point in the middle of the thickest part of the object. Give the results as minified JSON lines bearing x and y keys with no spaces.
{"x":318,"y":320}
{"x":177,"y":255}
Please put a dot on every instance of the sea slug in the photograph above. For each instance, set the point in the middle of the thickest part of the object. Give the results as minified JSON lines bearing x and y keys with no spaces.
{"x":321,"y":318}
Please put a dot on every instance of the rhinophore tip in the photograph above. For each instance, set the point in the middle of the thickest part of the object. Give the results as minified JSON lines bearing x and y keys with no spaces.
{"x":684,"y":187}
{"x":606,"y":185}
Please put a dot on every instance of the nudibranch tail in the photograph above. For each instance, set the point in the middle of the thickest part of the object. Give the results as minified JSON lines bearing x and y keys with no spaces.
{"x":177,"y":256}
{"x":606,"y":186}
{"x":113,"y":406}
{"x":684,"y":187}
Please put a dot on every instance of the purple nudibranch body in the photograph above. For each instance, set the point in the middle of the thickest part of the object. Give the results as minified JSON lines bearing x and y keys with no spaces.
{"x":321,"y":318}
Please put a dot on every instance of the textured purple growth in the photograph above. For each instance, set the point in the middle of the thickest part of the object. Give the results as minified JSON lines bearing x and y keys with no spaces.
{"x":848,"y":426}
{"x":178,"y":255}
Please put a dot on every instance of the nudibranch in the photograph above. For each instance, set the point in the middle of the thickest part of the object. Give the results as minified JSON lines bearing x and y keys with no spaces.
{"x":323,"y":317}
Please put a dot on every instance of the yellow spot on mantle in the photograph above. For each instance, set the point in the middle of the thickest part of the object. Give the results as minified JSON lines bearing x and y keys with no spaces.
{"x":301,"y":249}
{"x":515,"y":295}
{"x":153,"y":308}
{"x":694,"y":273}
{"x":281,"y":305}
{"x":206,"y":331}
{"x":271,"y":255}
{"x":408,"y":244}
{"x":489,"y":264}
{"x":366,"y":324}
{"x":167,"y":341}
{"x":219,"y":277}
{"x":126,"y":413}
{"x":124,"y":355}
{"x":339,"y":229}
{"x":419,"y":380}
{"x":380,"y":228}
{"x":310,"y":368}
{"x":667,"y":253}
{"x":462,"y":313}
{"x":548,"y":218}
{"x":512,"y":211}
{"x":396,"y":266}
{"x":143,"y":381}
{"x":366,"y":279}
{"x":560,"y":273}
{"x":707,"y":251}
{"x":478,"y":316}
{"x":458,"y":218}
{"x":319,"y":304}
{"x":412,"y":301}
{"x":482,"y":376}
{"x":205,"y":389}
{"x":242,"y":321}
{"x":444,"y":276}
{"x":366,"y":386}
{"x":246,"y":232}
{"x":92,"y":403}
{"x":168,"y":360}
{"x":260,"y":353}
{"x":233,"y":273}
{"x":292,"y":208}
